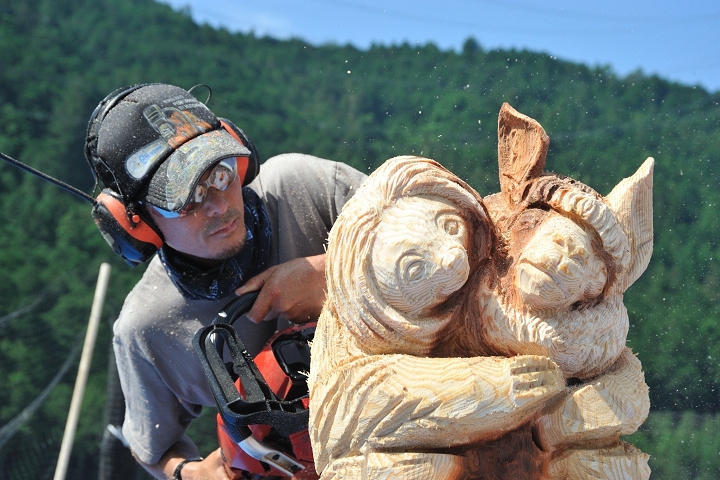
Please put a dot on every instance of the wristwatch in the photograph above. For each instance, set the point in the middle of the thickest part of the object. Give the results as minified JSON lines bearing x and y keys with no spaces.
{"x":176,"y":473}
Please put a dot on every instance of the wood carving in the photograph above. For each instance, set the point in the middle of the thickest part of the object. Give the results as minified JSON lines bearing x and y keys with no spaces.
{"x":471,"y":338}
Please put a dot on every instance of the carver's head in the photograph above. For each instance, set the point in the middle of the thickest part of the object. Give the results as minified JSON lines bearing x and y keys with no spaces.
{"x":172,"y":173}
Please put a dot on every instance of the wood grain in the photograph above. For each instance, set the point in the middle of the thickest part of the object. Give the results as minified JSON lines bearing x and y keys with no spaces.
{"x":465,"y":337}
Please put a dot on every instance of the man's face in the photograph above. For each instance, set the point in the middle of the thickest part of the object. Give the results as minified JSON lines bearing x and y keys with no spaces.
{"x":215,"y":231}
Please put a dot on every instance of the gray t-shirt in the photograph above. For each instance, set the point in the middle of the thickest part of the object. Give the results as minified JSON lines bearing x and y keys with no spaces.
{"x":161,"y":377}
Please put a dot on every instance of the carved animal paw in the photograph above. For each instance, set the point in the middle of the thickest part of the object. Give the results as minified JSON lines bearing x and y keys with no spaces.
{"x":598,"y":411}
{"x":532,"y":377}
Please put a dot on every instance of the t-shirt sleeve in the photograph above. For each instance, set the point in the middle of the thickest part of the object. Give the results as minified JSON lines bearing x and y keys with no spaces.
{"x":347,"y":181}
{"x":161,"y":380}
{"x":303,"y":196}
{"x":144,"y":392}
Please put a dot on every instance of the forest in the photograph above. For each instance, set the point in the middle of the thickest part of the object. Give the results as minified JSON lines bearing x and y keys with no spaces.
{"x":59,"y":58}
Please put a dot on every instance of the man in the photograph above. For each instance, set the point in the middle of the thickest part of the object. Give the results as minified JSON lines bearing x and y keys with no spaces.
{"x":174,"y":166}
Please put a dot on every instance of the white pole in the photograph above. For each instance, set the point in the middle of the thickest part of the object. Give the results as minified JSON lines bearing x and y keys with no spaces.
{"x":83,"y":370}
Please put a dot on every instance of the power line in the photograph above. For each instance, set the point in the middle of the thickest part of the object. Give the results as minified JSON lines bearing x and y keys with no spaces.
{"x":595,"y":16}
{"x":514,"y":6}
{"x":475,"y":26}
{"x":621,"y":23}
{"x":21,"y":311}
{"x":9,"y":429}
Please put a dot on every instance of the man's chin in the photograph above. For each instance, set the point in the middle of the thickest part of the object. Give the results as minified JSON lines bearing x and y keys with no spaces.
{"x":230,"y":252}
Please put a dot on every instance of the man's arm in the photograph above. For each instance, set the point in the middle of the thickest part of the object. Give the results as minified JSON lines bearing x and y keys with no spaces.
{"x":293,"y":290}
{"x":160,"y":398}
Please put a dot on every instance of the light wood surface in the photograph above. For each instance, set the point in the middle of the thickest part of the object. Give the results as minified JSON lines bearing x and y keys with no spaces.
{"x":465,"y":337}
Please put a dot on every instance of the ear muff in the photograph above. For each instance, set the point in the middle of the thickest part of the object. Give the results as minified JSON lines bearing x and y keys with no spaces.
{"x":128,"y":234}
{"x":249,"y":172}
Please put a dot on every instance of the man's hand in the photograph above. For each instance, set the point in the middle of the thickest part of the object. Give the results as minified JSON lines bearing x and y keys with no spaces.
{"x":293,"y":290}
{"x":210,"y":468}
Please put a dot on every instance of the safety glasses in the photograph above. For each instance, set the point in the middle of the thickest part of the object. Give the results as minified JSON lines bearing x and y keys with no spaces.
{"x":219,"y":177}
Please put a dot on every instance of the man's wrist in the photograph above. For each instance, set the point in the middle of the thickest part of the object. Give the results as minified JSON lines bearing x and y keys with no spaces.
{"x":178,"y":469}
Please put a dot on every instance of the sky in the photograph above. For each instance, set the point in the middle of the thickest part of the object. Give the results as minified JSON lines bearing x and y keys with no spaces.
{"x":676,"y":40}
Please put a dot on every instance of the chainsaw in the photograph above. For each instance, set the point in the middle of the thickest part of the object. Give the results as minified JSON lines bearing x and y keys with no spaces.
{"x":262,"y":404}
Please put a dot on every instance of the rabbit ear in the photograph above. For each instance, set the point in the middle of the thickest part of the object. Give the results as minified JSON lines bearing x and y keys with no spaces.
{"x":631,"y":203}
{"x":522,"y":147}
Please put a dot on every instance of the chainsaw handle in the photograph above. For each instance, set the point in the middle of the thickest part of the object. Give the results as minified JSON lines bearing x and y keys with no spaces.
{"x":236,"y":308}
{"x":209,"y":343}
{"x":260,"y":406}
{"x":221,"y":384}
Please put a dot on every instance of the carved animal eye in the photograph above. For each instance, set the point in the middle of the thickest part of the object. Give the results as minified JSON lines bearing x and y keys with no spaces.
{"x":414,"y":270}
{"x":451,"y":224}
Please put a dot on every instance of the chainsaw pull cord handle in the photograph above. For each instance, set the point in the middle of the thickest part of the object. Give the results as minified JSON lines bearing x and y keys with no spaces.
{"x":261,"y":406}
{"x":256,"y":391}
{"x":255,"y":388}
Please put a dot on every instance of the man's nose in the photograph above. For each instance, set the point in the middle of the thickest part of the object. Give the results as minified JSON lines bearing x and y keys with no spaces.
{"x":215,"y":203}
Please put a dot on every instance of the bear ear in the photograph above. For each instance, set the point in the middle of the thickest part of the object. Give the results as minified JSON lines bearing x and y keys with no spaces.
{"x":522,"y":147}
{"x":631,"y":203}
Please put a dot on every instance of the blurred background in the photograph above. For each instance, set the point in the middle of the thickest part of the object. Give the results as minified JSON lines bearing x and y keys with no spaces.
{"x":360,"y":81}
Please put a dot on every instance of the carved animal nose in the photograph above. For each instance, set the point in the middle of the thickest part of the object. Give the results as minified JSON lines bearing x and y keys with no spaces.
{"x":455,"y":270}
{"x":570,"y":268}
{"x":455,"y":258}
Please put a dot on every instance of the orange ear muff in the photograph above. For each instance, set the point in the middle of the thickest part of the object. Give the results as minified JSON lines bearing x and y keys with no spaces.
{"x":129,"y":235}
{"x":242,"y":166}
{"x":249,"y":166}
{"x":137,"y":228}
